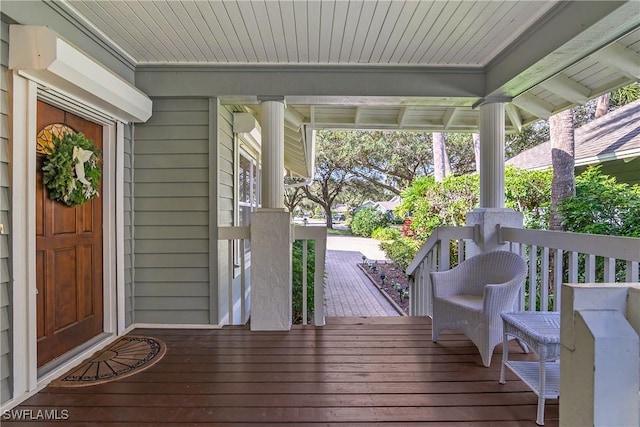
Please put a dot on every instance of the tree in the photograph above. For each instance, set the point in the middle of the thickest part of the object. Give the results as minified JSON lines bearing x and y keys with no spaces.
{"x":292,"y":197}
{"x":390,"y":159}
{"x":357,"y":191}
{"x":330,"y":176}
{"x":476,"y":150}
{"x":441,"y":165}
{"x":562,"y":160}
{"x":602,"y":105}
{"x":530,"y":136}
{"x":461,"y":154}
{"x":625,"y":95}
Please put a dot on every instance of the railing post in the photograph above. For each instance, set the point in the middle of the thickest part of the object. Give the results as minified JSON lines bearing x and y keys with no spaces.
{"x":305,"y":268}
{"x":318,"y":281}
{"x":489,"y":220}
{"x":599,"y":353}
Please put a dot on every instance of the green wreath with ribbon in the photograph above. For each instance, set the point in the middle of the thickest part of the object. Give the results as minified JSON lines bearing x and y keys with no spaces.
{"x":71,"y":169}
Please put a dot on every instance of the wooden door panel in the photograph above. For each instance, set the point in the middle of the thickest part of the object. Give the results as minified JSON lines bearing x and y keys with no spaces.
{"x":85,"y":302}
{"x":63,"y":219}
{"x":68,"y":257}
{"x":64,"y":288}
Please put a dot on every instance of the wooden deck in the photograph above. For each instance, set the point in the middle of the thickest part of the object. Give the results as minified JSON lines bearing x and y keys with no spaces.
{"x":354,"y":371}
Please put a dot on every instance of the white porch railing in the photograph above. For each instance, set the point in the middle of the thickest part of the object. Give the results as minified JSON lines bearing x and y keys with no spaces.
{"x":319,"y":236}
{"x":435,"y":255}
{"x":237,"y":284}
{"x":563,"y":257}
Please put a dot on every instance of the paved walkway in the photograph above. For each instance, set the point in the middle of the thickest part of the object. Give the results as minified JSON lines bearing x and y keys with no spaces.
{"x":349,"y":291}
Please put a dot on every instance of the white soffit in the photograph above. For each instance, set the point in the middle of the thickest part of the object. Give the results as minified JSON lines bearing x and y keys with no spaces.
{"x":39,"y":54}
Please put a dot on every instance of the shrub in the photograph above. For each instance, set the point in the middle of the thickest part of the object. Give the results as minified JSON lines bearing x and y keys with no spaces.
{"x":385,"y":233}
{"x":401,"y":250}
{"x":297,"y":280}
{"x":366,"y":220}
{"x":602,"y":206}
{"x":432,"y":204}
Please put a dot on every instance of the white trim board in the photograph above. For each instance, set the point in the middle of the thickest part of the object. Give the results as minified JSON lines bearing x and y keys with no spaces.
{"x":41,"y":55}
{"x":25,"y":96}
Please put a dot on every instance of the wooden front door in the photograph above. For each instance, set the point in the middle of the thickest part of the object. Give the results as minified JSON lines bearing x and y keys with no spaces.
{"x":68,"y":256}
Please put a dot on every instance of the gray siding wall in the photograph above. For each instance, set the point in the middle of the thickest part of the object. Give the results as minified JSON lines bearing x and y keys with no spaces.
{"x":128,"y":225}
{"x":171,"y":203}
{"x":5,"y":275}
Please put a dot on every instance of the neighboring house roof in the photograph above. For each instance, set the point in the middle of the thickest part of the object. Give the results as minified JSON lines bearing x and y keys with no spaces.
{"x":383,"y":206}
{"x":391,"y":204}
{"x":614,"y":136}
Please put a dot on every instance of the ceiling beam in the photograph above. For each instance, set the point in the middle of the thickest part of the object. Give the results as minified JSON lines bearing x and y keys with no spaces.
{"x":568,"y":89}
{"x":402,"y":116}
{"x":448,"y":117}
{"x":315,"y":81}
{"x":356,"y":117}
{"x":621,"y":58}
{"x":568,"y":33}
{"x":312,"y":113}
{"x":293,"y":117}
{"x":514,"y":116}
{"x":534,"y":105}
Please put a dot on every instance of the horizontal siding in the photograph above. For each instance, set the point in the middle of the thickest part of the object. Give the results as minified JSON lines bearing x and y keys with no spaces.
{"x":163,"y":189}
{"x":128,"y":228}
{"x":164,"y":289}
{"x":171,"y":205}
{"x":172,"y":175}
{"x":6,"y":391}
{"x":171,"y":232}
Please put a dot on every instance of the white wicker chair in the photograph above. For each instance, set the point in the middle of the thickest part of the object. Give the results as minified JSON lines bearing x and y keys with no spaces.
{"x":469,"y":297}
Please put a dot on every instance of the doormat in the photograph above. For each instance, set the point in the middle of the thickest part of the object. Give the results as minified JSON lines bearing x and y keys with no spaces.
{"x":126,"y":356}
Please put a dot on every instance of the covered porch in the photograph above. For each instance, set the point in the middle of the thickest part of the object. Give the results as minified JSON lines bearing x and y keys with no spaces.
{"x":353,"y":371}
{"x":175,"y":245}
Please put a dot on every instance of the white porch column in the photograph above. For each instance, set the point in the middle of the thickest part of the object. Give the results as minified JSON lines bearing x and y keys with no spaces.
{"x":271,"y":231}
{"x":492,"y":155}
{"x":492,"y":211}
{"x":272,"y":154}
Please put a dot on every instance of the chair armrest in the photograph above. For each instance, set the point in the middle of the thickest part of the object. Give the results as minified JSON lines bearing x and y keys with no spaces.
{"x":500,"y":297}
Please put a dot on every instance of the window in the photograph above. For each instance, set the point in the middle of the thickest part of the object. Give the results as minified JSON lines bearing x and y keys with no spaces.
{"x":248,"y":190}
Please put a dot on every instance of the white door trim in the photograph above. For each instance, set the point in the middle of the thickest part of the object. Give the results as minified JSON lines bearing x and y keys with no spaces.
{"x":25,"y":376}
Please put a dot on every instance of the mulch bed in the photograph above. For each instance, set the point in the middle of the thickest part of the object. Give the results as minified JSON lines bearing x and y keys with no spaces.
{"x":393,"y":274}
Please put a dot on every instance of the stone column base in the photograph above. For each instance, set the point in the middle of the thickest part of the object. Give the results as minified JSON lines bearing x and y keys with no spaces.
{"x":271,"y":271}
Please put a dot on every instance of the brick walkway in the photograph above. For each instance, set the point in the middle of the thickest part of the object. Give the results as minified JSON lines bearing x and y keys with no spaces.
{"x":349,"y":291}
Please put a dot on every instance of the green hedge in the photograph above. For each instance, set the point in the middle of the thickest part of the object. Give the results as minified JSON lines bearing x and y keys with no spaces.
{"x":297,"y":280}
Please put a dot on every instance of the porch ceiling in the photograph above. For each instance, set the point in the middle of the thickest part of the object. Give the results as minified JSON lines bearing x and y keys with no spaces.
{"x":545,"y":56}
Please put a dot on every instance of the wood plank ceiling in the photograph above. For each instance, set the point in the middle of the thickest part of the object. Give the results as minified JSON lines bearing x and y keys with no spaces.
{"x":449,"y":34}
{"x":465,"y":33}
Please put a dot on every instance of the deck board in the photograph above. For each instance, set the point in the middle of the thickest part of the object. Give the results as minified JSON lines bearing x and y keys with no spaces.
{"x":352,"y":372}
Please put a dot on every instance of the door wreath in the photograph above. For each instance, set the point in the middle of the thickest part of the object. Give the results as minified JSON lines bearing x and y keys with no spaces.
{"x":71,"y":169}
